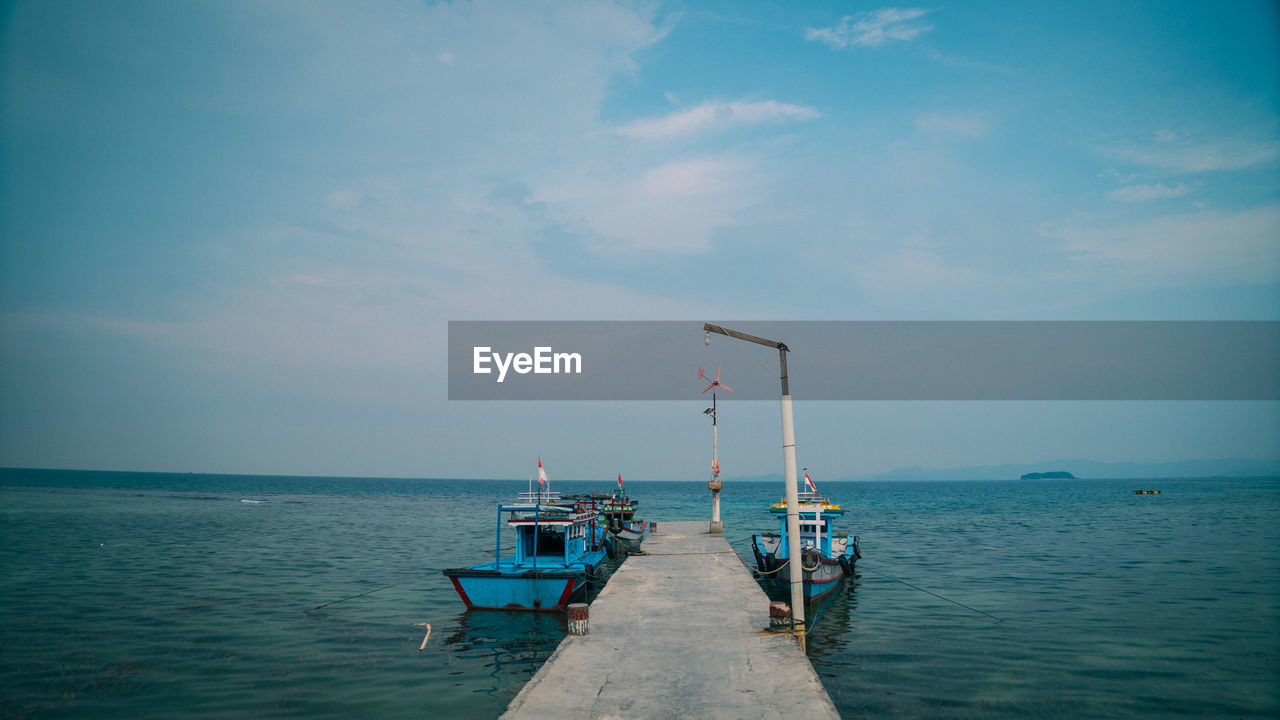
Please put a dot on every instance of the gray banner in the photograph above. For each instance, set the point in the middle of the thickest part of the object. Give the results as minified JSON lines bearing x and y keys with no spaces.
{"x":867,"y":360}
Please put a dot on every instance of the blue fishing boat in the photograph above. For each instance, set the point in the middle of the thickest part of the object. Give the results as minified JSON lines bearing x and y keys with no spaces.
{"x":827,"y":557}
{"x":617,"y":517}
{"x":559,"y":547}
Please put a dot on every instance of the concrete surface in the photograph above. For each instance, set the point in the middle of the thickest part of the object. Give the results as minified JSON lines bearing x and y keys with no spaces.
{"x":678,"y":633}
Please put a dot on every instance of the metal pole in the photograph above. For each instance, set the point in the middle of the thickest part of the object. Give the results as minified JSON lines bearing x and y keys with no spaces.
{"x":793,"y":501}
{"x":793,"y":512}
{"x":715,"y":437}
{"x":789,"y":466}
{"x":716,"y":526}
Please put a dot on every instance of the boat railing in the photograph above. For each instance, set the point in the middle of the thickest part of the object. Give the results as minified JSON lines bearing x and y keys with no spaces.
{"x":548,"y":511}
{"x":809,"y":500}
{"x":539,"y":497}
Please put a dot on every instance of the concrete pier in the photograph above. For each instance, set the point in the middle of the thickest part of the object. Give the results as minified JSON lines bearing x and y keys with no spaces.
{"x":678,"y":633}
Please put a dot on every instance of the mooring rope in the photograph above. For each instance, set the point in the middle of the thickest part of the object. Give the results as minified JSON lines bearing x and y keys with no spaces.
{"x":370,"y":592}
{"x":927,"y":592}
{"x":758,"y":571}
{"x":890,"y":577}
{"x":717,"y":552}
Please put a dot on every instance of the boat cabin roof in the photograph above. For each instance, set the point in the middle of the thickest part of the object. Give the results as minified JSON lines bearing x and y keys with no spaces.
{"x":809,"y":504}
{"x":546,"y":515}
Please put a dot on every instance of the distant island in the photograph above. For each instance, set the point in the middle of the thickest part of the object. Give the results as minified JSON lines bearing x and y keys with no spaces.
{"x":1055,"y":475}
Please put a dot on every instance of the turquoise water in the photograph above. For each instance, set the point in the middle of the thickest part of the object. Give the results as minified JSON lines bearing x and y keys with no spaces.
{"x":171,"y":596}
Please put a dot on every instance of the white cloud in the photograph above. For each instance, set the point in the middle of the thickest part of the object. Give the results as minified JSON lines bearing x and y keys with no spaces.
{"x":675,"y":207}
{"x":1171,"y":156}
{"x":1178,"y":250}
{"x":969,"y":125}
{"x":345,"y":199}
{"x":917,"y":280}
{"x":872,"y":29}
{"x":1146,"y":193}
{"x":713,"y":115}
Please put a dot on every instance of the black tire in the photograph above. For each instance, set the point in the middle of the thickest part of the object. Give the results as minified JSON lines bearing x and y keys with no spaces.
{"x":755,"y":550}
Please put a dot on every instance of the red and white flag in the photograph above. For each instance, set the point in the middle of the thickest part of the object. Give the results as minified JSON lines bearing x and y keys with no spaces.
{"x":542,"y":474}
{"x":809,"y":482}
{"x":619,"y":479}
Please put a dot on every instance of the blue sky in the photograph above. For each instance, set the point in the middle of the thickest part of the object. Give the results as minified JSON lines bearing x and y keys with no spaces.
{"x":233,"y":233}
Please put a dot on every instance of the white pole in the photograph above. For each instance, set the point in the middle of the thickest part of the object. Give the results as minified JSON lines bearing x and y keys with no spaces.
{"x":716,"y":527}
{"x":793,"y":512}
{"x":715,"y":445}
{"x":715,"y":494}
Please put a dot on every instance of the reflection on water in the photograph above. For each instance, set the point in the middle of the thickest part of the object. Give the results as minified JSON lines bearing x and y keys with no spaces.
{"x":509,"y":645}
{"x":831,"y":622}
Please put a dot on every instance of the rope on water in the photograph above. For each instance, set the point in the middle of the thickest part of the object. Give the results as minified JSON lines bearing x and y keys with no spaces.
{"x":928,"y":592}
{"x":423,"y":646}
{"x":369,"y":592}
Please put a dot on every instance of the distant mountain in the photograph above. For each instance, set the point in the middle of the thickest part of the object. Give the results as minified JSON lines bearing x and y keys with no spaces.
{"x":1232,"y":467}
{"x":768,"y":477}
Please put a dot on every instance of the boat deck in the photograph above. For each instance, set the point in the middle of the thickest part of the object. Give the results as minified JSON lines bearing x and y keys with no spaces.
{"x":677,"y":633}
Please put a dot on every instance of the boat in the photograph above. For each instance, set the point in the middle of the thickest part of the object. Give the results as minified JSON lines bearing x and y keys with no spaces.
{"x":619,"y":512}
{"x":619,"y":507}
{"x":617,"y":517}
{"x":559,"y":548}
{"x":827,"y":557}
{"x":629,"y":535}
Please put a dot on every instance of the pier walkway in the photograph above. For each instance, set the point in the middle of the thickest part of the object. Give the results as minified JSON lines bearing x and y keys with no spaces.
{"x":677,"y":633}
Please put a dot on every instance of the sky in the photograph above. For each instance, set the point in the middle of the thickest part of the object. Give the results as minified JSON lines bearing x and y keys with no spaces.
{"x":232,"y":234}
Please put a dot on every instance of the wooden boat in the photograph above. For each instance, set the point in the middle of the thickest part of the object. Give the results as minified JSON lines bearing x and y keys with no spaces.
{"x":619,"y":507}
{"x":827,"y":557}
{"x":617,"y":517}
{"x":629,"y":535}
{"x":558,"y":550}
{"x":619,"y":512}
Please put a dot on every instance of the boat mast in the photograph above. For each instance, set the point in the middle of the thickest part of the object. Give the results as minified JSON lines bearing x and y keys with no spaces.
{"x":789,"y":468}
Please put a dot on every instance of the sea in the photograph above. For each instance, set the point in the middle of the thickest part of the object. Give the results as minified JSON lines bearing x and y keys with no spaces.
{"x":215,"y":596}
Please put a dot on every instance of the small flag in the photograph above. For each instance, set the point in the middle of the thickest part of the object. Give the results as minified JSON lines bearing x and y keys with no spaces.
{"x":809,"y":481}
{"x":542,"y":474}
{"x":715,"y":468}
{"x":619,"y":479}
